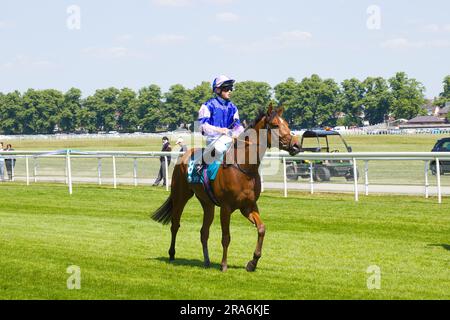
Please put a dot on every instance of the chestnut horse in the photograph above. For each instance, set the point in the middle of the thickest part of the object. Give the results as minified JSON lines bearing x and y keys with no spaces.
{"x":236,"y":186}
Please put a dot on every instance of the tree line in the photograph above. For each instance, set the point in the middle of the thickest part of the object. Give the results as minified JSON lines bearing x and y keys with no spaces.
{"x":308,"y":103}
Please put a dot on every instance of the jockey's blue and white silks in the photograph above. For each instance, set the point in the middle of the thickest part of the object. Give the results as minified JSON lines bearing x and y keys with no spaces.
{"x":219,"y":113}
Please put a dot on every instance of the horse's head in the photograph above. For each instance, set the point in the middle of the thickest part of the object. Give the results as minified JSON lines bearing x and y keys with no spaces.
{"x":278,"y":127}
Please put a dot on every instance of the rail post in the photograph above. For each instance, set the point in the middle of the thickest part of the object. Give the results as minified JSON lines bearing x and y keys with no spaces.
{"x":284,"y":177}
{"x":438,"y":178}
{"x":166,"y":168}
{"x":27,"y":169}
{"x":69,"y":171}
{"x":427,"y":185}
{"x":355,"y":179}
{"x":114,"y":172}
{"x":366,"y":176}
{"x":99,"y":171}
{"x":65,"y":171}
{"x":12,"y":169}
{"x":135,"y":172}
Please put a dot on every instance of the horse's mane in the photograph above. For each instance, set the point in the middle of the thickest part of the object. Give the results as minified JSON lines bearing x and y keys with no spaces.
{"x":261,"y":114}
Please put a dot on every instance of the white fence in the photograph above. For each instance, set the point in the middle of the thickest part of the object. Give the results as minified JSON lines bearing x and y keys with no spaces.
{"x":366,"y":157}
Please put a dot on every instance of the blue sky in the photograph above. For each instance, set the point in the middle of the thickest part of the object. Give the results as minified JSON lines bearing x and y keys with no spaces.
{"x":136,"y":43}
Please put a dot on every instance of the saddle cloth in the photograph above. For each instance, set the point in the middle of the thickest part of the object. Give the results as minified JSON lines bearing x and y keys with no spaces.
{"x":208,"y":171}
{"x":204,"y":176}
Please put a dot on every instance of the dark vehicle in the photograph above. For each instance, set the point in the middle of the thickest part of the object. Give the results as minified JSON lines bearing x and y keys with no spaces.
{"x":442,"y":145}
{"x":321,"y":141}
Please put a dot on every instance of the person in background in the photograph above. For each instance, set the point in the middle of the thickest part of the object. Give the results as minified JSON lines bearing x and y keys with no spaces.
{"x":2,"y":163}
{"x":183,"y":146}
{"x":162,"y":169}
{"x":10,"y":162}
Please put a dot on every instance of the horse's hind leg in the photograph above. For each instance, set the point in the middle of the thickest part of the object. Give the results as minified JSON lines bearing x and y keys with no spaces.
{"x":226,"y":238}
{"x":180,"y":195}
{"x":208,"y":217}
{"x":254,"y":218}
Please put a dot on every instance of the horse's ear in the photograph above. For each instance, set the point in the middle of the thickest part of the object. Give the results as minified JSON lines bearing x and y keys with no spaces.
{"x":270,"y":110}
{"x":280,"y":111}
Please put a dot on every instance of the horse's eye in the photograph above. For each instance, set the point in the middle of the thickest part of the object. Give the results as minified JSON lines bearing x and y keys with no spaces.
{"x":293,"y":134}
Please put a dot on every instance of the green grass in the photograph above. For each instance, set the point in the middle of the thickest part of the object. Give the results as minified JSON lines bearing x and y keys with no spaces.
{"x":316,"y":247}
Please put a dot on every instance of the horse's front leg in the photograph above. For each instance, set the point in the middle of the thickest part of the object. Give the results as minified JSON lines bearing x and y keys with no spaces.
{"x":225,"y":215}
{"x":254,"y":218}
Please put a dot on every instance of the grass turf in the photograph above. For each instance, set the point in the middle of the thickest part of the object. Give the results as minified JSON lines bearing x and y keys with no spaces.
{"x":316,"y":247}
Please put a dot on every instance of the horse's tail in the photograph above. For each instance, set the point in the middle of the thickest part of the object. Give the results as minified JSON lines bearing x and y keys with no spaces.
{"x":164,"y":213}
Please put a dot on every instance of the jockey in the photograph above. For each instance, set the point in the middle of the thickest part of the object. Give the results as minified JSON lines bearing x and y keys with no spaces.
{"x":219,"y":117}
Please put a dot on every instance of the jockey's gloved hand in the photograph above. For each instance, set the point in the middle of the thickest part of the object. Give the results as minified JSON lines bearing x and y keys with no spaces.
{"x":224,"y":131}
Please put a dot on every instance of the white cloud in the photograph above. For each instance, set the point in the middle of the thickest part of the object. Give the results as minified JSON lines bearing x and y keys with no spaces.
{"x":397,"y":43}
{"x":187,"y":3}
{"x":112,"y":52}
{"x":293,"y":37}
{"x":5,"y":25}
{"x":173,"y":3}
{"x":436,"y":28}
{"x":403,"y":43}
{"x":167,"y":39}
{"x":216,"y":39}
{"x":124,"y":37}
{"x":219,"y":2}
{"x":27,"y":62}
{"x":431,"y":28}
{"x":227,"y":17}
{"x":283,"y":41}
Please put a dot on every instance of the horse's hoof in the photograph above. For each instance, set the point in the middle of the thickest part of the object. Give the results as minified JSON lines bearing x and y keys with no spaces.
{"x":224,"y":268}
{"x":171,"y":258}
{"x":251,"y":266}
{"x":207,"y":264}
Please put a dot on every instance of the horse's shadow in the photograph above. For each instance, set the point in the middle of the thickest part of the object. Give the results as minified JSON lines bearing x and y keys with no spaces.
{"x":192,"y":263}
{"x":443,"y":245}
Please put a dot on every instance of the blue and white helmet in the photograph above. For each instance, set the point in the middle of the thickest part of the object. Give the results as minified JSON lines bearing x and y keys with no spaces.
{"x":222,"y":81}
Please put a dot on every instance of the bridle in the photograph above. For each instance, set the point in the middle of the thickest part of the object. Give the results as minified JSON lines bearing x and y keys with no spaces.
{"x":268,"y":127}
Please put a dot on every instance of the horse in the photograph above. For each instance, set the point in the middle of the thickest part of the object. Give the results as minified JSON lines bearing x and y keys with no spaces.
{"x":236,"y":186}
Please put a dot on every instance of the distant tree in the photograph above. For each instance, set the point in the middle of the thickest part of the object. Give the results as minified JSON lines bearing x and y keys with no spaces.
{"x":310,"y":103}
{"x":11,"y":106}
{"x":178,"y":109}
{"x":149,"y":108}
{"x":351,"y":100}
{"x":377,"y":99}
{"x":86,"y":119}
{"x":41,"y":110}
{"x":67,"y":117}
{"x":103,"y":104}
{"x":287,"y":95}
{"x":444,"y":96}
{"x":407,"y":97}
{"x":249,"y":97}
{"x":127,"y":120}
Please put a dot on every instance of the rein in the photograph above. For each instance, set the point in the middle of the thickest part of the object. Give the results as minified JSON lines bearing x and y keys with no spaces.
{"x":237,"y":165}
